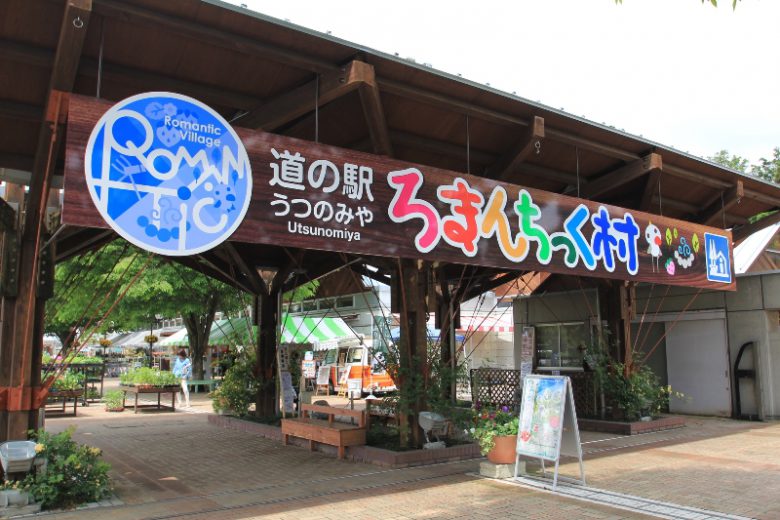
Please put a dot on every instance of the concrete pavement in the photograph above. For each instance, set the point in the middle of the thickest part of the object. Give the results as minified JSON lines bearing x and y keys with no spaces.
{"x":178,"y":466}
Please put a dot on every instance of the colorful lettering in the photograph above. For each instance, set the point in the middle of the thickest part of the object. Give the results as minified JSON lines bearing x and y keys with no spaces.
{"x":460,"y":229}
{"x":495,"y":222}
{"x":406,"y":206}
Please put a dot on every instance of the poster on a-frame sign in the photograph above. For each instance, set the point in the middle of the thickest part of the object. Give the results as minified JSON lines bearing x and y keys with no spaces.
{"x":547,"y":427}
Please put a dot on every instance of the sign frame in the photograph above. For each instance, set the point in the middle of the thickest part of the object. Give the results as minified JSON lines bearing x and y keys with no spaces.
{"x":565,"y":435}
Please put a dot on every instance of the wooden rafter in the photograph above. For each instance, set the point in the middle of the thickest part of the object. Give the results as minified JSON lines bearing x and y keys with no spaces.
{"x":249,"y":273}
{"x":373,"y":110}
{"x":623,"y":175}
{"x":651,"y":187}
{"x":508,"y":164}
{"x":716,"y":209}
{"x":218,"y":37}
{"x":300,"y":101}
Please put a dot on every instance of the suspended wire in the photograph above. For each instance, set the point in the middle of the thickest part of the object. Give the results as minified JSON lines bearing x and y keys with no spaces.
{"x":317,"y":109}
{"x":577,"y":159}
{"x":468,"y":146}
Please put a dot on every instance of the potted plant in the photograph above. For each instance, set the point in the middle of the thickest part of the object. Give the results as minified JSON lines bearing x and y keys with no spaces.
{"x":114,"y":401}
{"x":14,"y":493}
{"x":69,"y":384}
{"x":495,"y":430}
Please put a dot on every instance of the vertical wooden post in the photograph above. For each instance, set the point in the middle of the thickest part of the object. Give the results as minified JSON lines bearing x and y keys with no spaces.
{"x":627,"y":313}
{"x":266,"y":319}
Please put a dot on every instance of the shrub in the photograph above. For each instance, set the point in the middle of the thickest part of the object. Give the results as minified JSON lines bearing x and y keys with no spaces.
{"x":75,"y":473}
{"x":68,"y":381}
{"x":114,"y":399}
{"x":148,"y":376}
{"x":237,"y":390}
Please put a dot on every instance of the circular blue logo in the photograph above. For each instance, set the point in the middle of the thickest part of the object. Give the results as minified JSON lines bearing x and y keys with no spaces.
{"x":168,"y":173}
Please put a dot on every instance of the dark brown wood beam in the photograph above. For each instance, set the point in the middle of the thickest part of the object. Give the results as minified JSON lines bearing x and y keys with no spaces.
{"x":22,"y":111}
{"x":441,"y":147}
{"x":651,"y":190}
{"x":715,"y":210}
{"x":225,"y":38}
{"x":88,"y":67}
{"x":507,"y":166}
{"x":81,"y":241}
{"x":20,"y":364}
{"x":373,"y":111}
{"x":740,"y":233}
{"x":250,"y":274}
{"x":447,"y":102}
{"x":300,"y":101}
{"x":622,"y":175}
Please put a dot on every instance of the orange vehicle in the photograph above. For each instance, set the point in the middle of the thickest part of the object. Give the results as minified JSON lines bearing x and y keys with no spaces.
{"x":357,"y":362}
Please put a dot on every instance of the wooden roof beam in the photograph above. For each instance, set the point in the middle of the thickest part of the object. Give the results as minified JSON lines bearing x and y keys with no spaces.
{"x":298,"y":102}
{"x":530,"y":139}
{"x":716,"y":209}
{"x":622,"y":175}
{"x":441,"y":147}
{"x":88,"y":67}
{"x":224,"y":38}
{"x":651,"y":187}
{"x":374,"y":112}
{"x":250,"y":274}
{"x":73,"y":32}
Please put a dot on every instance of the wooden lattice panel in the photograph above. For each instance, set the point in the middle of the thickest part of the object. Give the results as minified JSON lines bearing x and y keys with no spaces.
{"x":496,"y":387}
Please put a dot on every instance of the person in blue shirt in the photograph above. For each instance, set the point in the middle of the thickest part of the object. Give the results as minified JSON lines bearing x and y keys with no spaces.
{"x":182,"y":368}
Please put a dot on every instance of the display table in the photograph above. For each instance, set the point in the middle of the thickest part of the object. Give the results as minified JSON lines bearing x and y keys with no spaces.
{"x":148,"y":389}
{"x":62,"y":397}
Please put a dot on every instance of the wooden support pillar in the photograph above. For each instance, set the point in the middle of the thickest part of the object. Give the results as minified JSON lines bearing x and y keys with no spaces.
{"x":447,"y":319}
{"x":627,"y":313}
{"x":266,"y":318}
{"x":413,"y":288}
{"x":21,"y":359}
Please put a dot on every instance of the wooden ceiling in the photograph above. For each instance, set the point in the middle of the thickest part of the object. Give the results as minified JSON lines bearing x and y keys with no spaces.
{"x":261,"y":72}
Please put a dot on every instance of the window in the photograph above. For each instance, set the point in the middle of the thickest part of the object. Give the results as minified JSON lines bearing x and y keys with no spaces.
{"x":355,"y":355}
{"x":561,"y":345}
{"x":345,"y":301}
{"x":330,"y":357}
{"x":326,"y":304}
{"x":295,"y":307}
{"x":309,"y":305}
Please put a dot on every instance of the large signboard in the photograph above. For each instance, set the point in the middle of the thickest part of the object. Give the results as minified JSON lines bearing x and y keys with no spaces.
{"x":322,"y":197}
{"x":168,"y":173}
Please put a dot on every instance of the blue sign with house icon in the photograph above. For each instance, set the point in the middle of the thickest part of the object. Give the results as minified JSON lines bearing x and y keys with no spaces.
{"x":716,"y":250}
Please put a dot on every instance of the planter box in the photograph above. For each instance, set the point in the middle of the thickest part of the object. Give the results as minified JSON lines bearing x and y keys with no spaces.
{"x":150,"y":389}
{"x":631,"y":428}
{"x":369,"y":454}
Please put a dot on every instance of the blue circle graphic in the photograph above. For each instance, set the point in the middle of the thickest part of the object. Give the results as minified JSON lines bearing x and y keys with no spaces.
{"x":168,"y":173}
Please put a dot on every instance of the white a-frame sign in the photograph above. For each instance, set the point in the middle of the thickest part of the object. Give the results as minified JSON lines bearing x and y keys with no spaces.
{"x":548,"y":424}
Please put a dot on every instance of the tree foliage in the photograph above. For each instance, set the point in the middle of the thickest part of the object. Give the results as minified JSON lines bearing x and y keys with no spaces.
{"x":87,"y":286}
{"x":766,"y":169}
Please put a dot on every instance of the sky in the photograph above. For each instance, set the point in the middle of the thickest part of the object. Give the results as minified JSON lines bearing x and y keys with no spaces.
{"x":679,"y":72}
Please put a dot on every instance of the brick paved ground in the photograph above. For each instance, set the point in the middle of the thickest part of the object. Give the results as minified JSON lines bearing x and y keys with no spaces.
{"x":168,"y":465}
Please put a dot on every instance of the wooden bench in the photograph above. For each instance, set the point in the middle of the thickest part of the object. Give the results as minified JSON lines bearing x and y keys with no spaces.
{"x":211,"y":383}
{"x":327,"y":431}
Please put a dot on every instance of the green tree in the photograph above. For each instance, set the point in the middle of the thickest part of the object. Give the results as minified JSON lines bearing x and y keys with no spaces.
{"x":735,"y":162}
{"x":87,"y":287}
{"x":768,"y":169}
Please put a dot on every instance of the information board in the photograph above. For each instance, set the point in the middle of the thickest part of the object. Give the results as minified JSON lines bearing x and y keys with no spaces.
{"x":309,"y":368}
{"x":288,"y":392}
{"x":541,"y":414}
{"x":548,"y":423}
{"x":323,"y":375}
{"x":527,"y":345}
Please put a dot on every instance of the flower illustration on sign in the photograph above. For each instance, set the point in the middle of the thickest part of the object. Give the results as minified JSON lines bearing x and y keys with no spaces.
{"x":168,"y":173}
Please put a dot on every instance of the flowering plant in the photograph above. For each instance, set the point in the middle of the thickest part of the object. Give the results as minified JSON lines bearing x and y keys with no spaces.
{"x":490,"y":423}
{"x":105,"y":342}
{"x":150,"y":338}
